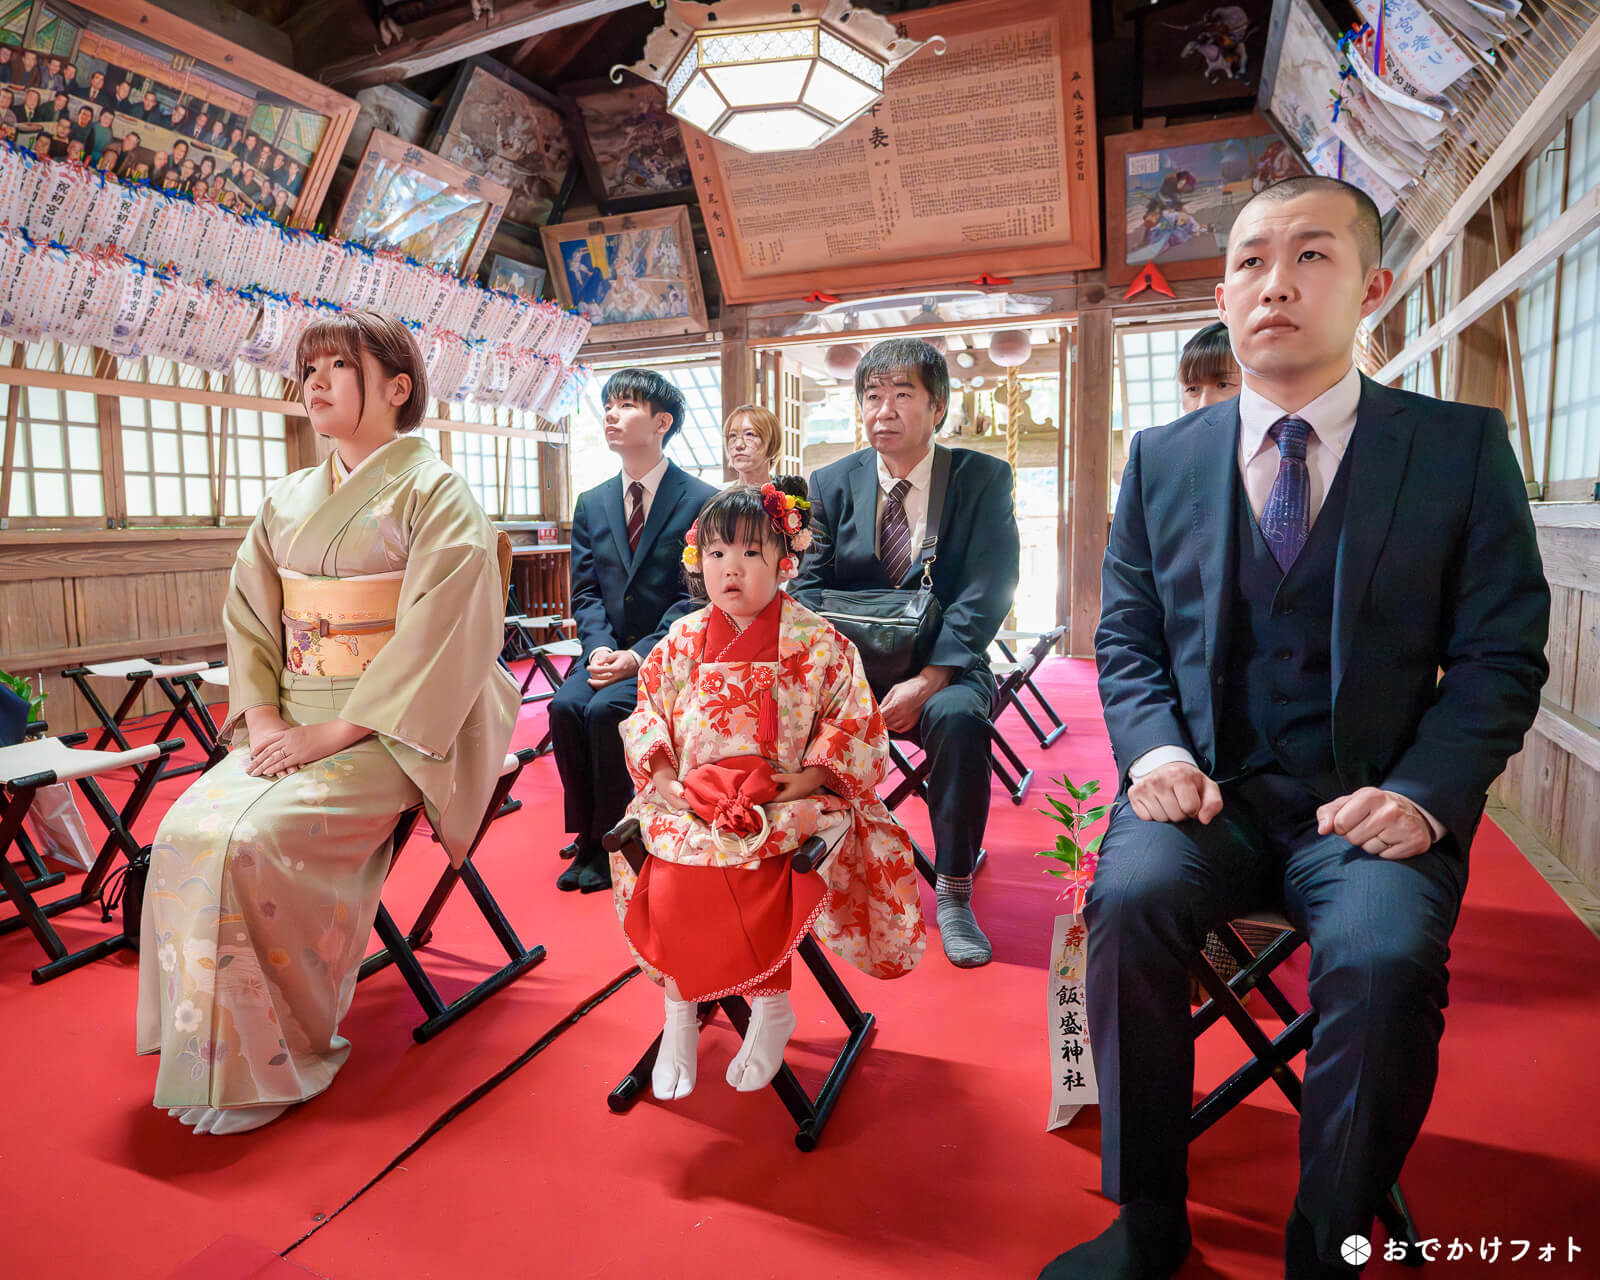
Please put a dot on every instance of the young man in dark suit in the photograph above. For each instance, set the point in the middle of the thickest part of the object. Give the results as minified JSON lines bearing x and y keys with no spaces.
{"x":870,"y":513}
{"x":627,"y":589}
{"x":1287,"y":576}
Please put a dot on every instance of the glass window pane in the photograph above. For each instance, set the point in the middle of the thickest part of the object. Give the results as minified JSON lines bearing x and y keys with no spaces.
{"x":135,"y":451}
{"x":83,"y":447}
{"x":139,"y":503}
{"x":275,"y":458}
{"x":81,"y":407}
{"x":197,"y":495}
{"x":163,"y":413}
{"x":44,"y":402}
{"x":47,"y":451}
{"x":251,"y":495}
{"x":50,"y":493}
{"x":195,"y":460}
{"x":88,"y":499}
{"x":133,"y":410}
{"x":165,"y":445}
{"x":169,"y":496}
{"x":193,"y":417}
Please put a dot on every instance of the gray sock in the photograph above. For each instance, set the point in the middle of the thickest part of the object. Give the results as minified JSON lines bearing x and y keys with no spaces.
{"x":964,"y":943}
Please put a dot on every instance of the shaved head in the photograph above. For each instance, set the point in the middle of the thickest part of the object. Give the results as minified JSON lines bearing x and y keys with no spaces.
{"x":1366,"y":224}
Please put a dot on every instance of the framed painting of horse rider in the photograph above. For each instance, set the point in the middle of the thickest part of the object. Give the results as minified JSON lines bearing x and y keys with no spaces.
{"x":1201,"y":56}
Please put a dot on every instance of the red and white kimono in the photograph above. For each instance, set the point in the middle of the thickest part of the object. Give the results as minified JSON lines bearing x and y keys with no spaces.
{"x":719,"y":920}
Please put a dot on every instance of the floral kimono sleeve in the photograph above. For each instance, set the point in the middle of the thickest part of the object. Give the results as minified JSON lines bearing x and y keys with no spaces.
{"x":650,"y":729}
{"x":252,"y":620}
{"x":850,"y":740}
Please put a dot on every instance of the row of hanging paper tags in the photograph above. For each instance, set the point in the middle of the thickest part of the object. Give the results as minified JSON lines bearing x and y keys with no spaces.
{"x":90,"y":260}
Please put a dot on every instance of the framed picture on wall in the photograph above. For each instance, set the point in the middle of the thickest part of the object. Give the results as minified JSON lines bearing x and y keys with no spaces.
{"x":409,"y":199}
{"x":521,"y":278}
{"x":633,"y":275}
{"x":150,"y":97}
{"x":394,"y":109}
{"x":630,"y":146}
{"x":511,"y":131}
{"x":1172,"y":194}
{"x":1201,"y":55}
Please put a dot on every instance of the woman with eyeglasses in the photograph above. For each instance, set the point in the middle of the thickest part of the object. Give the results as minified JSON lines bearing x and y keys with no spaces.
{"x":752,"y":438}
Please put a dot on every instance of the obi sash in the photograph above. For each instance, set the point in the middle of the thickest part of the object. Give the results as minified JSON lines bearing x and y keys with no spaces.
{"x":337,"y":626}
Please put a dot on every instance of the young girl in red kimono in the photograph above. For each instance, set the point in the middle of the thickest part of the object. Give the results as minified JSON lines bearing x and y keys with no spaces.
{"x":755,"y":730}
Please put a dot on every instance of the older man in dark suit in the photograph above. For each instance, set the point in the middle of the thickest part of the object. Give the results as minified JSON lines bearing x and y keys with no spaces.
{"x":627,"y":589}
{"x":871,"y":514}
{"x":1288,"y":575}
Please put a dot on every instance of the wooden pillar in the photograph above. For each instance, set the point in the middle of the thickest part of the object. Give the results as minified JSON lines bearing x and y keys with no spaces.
{"x":736,"y":378}
{"x":1065,"y":381}
{"x":1091,"y":474}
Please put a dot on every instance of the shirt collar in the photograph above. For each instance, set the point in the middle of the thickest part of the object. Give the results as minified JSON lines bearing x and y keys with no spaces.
{"x":1332,"y":416}
{"x":651,"y":479}
{"x":921,"y":474}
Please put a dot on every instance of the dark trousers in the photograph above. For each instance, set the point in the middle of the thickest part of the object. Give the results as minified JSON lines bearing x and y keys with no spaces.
{"x":954,"y":731}
{"x":586,"y":731}
{"x":1379,"y":934}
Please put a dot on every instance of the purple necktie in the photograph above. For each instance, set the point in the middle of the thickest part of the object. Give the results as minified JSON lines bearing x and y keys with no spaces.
{"x":1286,"y":519}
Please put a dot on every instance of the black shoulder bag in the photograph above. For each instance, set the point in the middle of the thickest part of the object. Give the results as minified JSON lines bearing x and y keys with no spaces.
{"x":894,"y":628}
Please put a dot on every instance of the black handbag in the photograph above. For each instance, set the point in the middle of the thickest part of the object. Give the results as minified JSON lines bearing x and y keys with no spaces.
{"x":893,"y":628}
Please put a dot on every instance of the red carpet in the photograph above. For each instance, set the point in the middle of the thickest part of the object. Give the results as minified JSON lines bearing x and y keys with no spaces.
{"x":935,"y":1163}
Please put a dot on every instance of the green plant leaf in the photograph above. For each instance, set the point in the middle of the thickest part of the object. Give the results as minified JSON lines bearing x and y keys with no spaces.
{"x":1094,"y":845}
{"x":1090,"y":787}
{"x":1094,"y":815}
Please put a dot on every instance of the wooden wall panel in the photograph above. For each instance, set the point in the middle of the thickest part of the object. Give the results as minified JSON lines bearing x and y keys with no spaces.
{"x":1586,"y":660}
{"x":1579,"y":846}
{"x":1534,"y":786}
{"x":1562,"y":647}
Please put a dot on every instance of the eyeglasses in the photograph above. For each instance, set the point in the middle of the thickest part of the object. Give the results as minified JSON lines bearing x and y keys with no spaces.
{"x":745,"y":437}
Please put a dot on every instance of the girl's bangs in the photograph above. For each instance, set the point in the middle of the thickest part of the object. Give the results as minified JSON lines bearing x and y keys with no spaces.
{"x":335,"y":336}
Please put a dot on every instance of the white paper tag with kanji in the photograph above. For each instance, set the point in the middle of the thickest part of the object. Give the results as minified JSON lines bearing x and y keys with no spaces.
{"x":1072,"y":1082}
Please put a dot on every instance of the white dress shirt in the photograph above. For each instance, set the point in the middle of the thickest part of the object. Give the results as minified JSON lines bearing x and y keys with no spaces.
{"x":1332,"y":416}
{"x":915,"y":504}
{"x":651,"y":480}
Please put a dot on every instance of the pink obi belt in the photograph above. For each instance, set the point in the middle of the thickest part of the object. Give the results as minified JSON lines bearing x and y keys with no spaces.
{"x":337,"y":626}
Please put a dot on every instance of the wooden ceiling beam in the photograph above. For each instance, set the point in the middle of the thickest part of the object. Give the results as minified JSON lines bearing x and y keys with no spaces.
{"x":509,"y":25}
{"x":557,"y":53}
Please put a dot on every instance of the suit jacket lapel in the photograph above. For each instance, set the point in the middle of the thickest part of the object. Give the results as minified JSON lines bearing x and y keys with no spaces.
{"x":864,"y":502}
{"x":941,"y":461}
{"x":661,"y":508}
{"x":1379,"y":449}
{"x":1213,"y":475}
{"x":611,"y":503}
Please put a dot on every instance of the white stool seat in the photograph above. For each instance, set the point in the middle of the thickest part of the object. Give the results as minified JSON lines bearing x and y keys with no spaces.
{"x":51,"y":755}
{"x":1017,"y":635}
{"x":510,"y":765}
{"x":128,"y":668}
{"x":215,"y":675}
{"x":563,"y":649}
{"x":1000,"y":668}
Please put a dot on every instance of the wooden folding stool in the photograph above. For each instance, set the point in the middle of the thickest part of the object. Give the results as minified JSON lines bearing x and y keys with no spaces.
{"x":1043,"y":642}
{"x":400,"y":949}
{"x":39,"y":876}
{"x":139,"y":672}
{"x":43,"y":762}
{"x":1271,"y":1056}
{"x":810,"y":1114}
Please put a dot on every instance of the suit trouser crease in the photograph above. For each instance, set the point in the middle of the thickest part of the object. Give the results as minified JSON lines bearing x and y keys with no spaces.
{"x":954,"y":732}
{"x":585,"y":728}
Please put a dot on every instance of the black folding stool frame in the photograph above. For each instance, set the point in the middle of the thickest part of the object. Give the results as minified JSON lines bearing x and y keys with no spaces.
{"x":34,"y":916}
{"x":1045,"y":640}
{"x":187,"y":706}
{"x":1271,"y":1056}
{"x":400,"y":949}
{"x":39,"y":876}
{"x":810,"y":1114}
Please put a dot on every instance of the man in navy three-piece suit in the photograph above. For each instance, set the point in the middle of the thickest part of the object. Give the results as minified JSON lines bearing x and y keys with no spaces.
{"x":1288,"y":575}
{"x":627,"y":589}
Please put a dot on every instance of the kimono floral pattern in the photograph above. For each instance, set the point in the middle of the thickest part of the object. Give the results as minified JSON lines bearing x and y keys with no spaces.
{"x":695,"y":712}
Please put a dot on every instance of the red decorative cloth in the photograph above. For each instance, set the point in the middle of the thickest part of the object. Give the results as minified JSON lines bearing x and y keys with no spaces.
{"x":725,"y":794}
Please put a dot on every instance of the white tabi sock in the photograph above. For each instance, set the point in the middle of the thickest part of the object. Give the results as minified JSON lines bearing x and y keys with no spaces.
{"x":673,"y":1076}
{"x":219,"y":1120}
{"x":772,"y":1022}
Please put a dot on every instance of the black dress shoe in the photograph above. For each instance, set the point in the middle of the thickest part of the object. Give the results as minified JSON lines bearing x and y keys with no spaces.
{"x":1300,"y":1261}
{"x":1142,"y":1246}
{"x":571,"y":877}
{"x":595,"y":874}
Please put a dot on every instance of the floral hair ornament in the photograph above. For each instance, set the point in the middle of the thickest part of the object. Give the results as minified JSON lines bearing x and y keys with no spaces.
{"x":786,"y":511}
{"x":691,"y":548}
{"x":787,"y":568}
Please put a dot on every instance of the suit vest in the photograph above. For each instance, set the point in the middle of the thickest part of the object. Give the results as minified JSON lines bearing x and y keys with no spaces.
{"x":1277,"y":705}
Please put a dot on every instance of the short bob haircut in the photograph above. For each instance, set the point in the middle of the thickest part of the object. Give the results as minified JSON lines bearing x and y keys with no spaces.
{"x":349,"y":334}
{"x":765,"y":424}
{"x":738,"y":515}
{"x":650,"y":388}
{"x":908,"y":355}
{"x":1207,"y":356}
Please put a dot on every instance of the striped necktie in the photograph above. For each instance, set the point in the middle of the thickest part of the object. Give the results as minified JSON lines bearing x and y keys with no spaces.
{"x":894,"y":534}
{"x":1286,"y":519}
{"x":636,"y":517}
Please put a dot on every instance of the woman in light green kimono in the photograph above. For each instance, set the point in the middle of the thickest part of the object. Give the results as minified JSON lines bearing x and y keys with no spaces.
{"x":363,"y":619}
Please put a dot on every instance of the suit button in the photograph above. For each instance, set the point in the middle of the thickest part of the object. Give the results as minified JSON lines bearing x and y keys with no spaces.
{"x":1283,"y":655}
{"x":1288,"y":611}
{"x":1279,"y":700}
{"x":1219,"y":682}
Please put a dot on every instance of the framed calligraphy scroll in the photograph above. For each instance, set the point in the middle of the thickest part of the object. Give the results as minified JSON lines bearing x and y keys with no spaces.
{"x":153,"y":97}
{"x":631,"y":276}
{"x":411,"y":200}
{"x":1172,"y":194}
{"x":981,"y":160}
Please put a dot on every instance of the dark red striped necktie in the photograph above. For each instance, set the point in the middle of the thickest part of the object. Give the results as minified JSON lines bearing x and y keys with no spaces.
{"x":636,"y":517}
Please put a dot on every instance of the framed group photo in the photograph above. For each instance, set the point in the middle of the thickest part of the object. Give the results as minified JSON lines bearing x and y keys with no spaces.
{"x":138,"y":94}
{"x":512,"y":132}
{"x":410,"y":200}
{"x":630,"y":145}
{"x":633,"y":275}
{"x":1172,"y":194}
